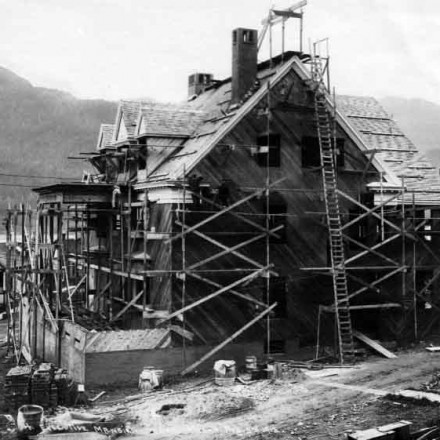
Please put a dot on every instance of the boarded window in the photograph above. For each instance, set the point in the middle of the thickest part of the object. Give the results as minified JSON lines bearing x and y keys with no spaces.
{"x":269,"y":150}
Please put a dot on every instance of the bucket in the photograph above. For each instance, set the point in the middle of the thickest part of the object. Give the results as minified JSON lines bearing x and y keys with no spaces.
{"x":159,"y":378}
{"x":150,"y":379}
{"x":29,"y":420}
{"x":251,"y":363}
{"x":224,"y":373}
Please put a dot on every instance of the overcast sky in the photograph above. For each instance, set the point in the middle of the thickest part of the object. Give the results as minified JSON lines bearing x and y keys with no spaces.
{"x":116,"y":49}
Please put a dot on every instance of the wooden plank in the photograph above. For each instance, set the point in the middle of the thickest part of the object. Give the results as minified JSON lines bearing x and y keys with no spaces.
{"x":182,"y":332}
{"x":331,"y":309}
{"x":228,"y":340}
{"x":94,"y":399}
{"x":131,"y":303}
{"x":286,"y":14}
{"x":216,"y":293}
{"x":374,"y":345}
{"x":77,"y":286}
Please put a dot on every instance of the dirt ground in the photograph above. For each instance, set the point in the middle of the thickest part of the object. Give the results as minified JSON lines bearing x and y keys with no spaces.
{"x":322,"y":404}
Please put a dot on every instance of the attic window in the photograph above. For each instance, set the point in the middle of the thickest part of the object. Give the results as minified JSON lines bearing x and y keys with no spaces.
{"x":311,"y":154}
{"x":269,"y":145}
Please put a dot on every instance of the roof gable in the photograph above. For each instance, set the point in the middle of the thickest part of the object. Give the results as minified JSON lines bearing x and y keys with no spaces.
{"x":126,"y":120}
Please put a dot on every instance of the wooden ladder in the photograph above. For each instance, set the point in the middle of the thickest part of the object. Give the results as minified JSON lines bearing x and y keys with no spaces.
{"x":341,"y":302}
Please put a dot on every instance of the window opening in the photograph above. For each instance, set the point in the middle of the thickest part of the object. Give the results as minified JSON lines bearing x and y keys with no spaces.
{"x":269,"y":145}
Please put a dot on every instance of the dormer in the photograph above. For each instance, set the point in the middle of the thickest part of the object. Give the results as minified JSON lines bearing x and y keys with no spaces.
{"x":126,"y":120}
{"x":105,"y":136}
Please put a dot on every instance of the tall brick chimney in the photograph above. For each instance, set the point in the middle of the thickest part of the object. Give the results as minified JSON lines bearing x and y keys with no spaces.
{"x":244,"y":61}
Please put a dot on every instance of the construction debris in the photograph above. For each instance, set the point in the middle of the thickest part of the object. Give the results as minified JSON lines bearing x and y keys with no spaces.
{"x":42,"y":385}
{"x":395,"y":431}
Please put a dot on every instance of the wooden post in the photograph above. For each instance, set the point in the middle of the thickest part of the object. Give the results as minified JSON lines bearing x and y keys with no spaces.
{"x":414,"y":248}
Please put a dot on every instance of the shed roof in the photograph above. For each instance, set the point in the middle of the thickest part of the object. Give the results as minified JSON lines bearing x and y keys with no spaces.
{"x":123,"y":340}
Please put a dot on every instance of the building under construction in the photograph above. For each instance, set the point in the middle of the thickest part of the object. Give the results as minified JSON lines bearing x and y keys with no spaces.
{"x":262,"y":215}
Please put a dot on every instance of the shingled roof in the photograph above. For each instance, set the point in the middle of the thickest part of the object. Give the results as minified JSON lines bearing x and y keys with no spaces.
{"x":381,"y":133}
{"x":168,"y":120}
{"x":105,"y":137}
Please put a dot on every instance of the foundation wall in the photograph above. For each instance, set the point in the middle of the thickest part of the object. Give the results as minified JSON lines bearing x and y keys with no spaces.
{"x":125,"y":366}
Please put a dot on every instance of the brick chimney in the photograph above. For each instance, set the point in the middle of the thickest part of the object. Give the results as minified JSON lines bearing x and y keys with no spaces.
{"x":197,"y":83}
{"x":244,"y":62}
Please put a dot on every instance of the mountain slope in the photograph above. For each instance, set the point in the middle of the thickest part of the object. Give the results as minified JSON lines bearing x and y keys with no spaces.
{"x":420,"y":120}
{"x":39,"y":129}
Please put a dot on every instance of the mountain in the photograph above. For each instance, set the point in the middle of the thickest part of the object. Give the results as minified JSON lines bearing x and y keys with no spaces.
{"x":420,"y":121}
{"x":39,"y":129}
